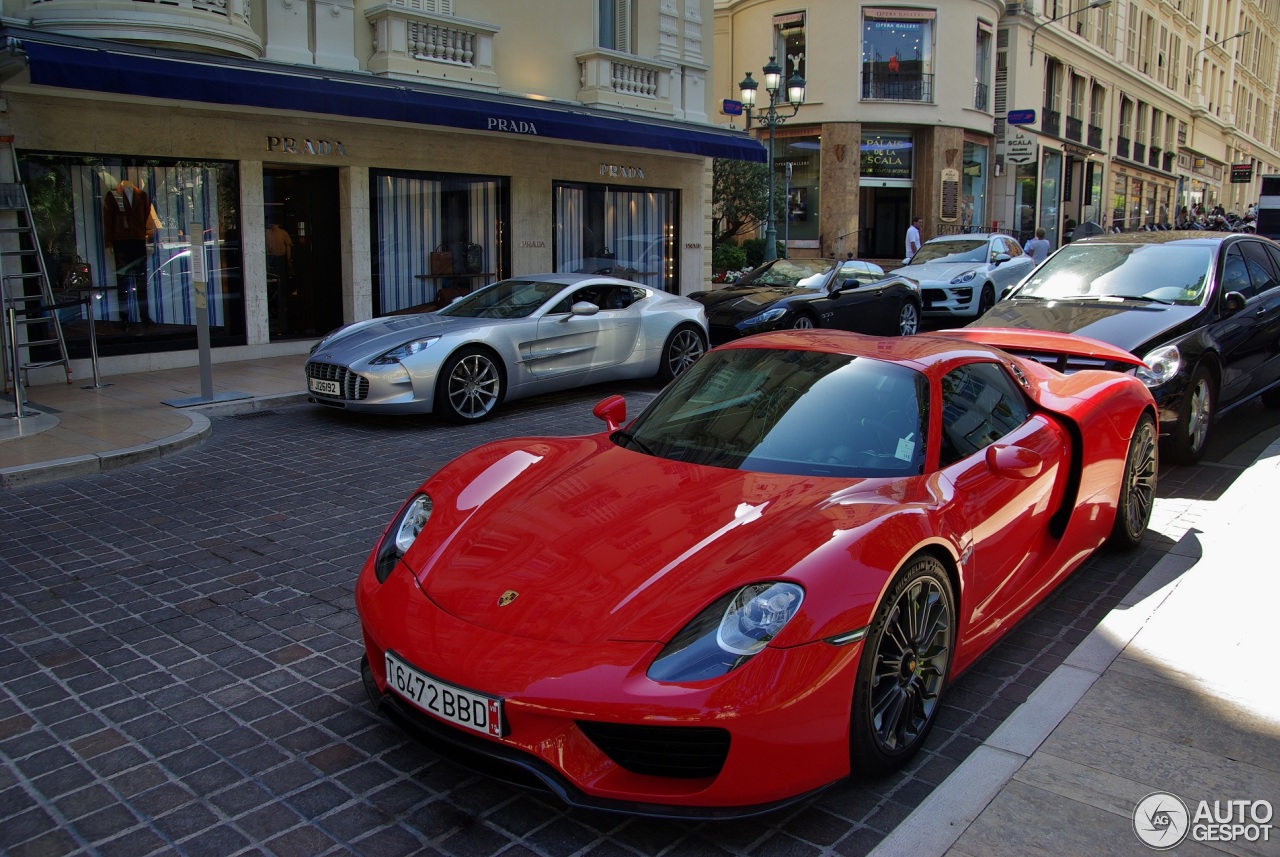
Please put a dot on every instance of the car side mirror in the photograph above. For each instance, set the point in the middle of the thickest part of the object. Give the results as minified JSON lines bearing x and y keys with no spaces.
{"x":1015,"y":462}
{"x":1000,"y":258}
{"x":581,"y":308}
{"x":613,"y":411}
{"x":1234,"y":302}
{"x":907,"y":260}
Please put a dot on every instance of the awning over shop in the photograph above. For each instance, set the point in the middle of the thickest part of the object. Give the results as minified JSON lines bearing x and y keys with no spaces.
{"x":262,"y":84}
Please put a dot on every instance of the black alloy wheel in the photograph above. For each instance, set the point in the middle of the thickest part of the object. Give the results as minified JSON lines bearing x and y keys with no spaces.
{"x":1138,"y":487}
{"x":471,"y":385}
{"x":903,"y":669}
{"x":986,"y":299}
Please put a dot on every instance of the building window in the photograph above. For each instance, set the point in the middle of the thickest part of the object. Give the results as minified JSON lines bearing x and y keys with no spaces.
{"x":131,"y":220}
{"x":982,"y":69}
{"x":973,"y":187}
{"x":789,"y":44}
{"x":622,"y":231}
{"x":436,"y":236}
{"x":897,"y":54}
{"x":615,"y":25}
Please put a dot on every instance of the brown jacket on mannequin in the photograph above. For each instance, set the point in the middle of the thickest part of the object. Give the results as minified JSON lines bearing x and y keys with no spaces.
{"x":123,"y":218}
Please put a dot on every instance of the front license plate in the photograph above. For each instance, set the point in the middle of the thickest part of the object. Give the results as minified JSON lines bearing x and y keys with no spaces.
{"x":325,"y":388}
{"x":463,"y":708}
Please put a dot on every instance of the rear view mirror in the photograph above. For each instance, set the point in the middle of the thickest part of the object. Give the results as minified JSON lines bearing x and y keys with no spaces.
{"x":613,"y":411}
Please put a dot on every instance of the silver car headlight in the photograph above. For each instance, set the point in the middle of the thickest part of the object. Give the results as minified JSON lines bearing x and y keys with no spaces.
{"x":767,"y":316}
{"x":400,"y":352}
{"x":401,"y":535}
{"x":966,"y":277}
{"x":1162,"y":365}
{"x":728,"y":633}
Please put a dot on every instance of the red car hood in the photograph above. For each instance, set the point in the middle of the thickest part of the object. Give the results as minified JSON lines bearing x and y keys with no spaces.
{"x":580,"y":541}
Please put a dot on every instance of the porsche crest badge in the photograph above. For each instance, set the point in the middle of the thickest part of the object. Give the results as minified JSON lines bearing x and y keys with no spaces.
{"x":507,"y":597}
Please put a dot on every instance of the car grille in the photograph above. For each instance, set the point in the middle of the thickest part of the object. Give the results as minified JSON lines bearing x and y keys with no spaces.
{"x":687,"y":752}
{"x":353,"y":386}
{"x":1067,"y":363}
{"x":934,"y":296}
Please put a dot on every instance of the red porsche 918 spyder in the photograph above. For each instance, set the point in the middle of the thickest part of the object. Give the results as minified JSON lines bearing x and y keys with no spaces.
{"x":765,"y":581}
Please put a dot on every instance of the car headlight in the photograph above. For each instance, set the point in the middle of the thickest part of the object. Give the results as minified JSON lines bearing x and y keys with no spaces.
{"x":767,"y":316}
{"x":965,"y":277}
{"x":400,"y":352}
{"x":401,"y":534}
{"x":1162,"y":365}
{"x":728,"y":633}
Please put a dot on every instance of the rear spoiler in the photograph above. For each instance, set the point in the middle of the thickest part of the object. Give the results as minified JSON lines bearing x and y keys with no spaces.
{"x":1046,"y":341}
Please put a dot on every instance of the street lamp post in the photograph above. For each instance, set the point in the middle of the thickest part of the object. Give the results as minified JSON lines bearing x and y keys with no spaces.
{"x":771,"y":119}
{"x":1094,"y":4}
{"x":1194,"y":72}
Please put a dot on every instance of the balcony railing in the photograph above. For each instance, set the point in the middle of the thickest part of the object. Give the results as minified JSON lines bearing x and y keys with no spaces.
{"x":1139,"y":152}
{"x":1169,"y":158}
{"x":1075,"y":129}
{"x":1052,"y":122}
{"x":614,"y":79}
{"x":1122,"y":147}
{"x":411,"y":43}
{"x":898,"y":87}
{"x":217,"y":25}
{"x":1153,"y":157}
{"x":1095,"y":136}
{"x":980,"y":92}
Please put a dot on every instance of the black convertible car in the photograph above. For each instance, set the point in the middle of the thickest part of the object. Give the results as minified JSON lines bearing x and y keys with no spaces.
{"x":802,"y":293}
{"x":1202,"y":310}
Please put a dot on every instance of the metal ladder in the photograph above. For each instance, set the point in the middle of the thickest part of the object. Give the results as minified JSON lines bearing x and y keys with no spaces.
{"x":29,"y":304}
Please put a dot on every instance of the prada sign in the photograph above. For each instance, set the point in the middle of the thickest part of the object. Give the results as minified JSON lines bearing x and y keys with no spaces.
{"x":294,"y":146}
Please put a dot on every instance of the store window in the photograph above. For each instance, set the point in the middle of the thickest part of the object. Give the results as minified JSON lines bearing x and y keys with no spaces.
{"x":624,"y":232}
{"x":798,"y":177}
{"x":973,"y":188}
{"x":436,"y":236}
{"x":1119,"y":196}
{"x":897,"y":54}
{"x":129,"y":220}
{"x":790,"y":44}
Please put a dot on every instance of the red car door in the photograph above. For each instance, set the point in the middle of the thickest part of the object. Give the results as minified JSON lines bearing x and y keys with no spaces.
{"x":1007,"y":468}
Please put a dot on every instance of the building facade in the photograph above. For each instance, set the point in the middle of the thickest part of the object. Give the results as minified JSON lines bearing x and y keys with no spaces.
{"x":1009,"y":116}
{"x":314,"y":164}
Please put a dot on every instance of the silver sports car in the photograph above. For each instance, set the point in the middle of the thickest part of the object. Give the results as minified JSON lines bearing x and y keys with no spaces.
{"x":508,"y":340}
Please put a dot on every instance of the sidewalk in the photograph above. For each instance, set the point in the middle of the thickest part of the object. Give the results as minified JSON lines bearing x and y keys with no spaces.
{"x":1174,"y":692}
{"x":79,"y":430}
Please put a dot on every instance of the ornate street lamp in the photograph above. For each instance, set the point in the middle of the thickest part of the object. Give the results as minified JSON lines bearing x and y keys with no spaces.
{"x":771,"y":119}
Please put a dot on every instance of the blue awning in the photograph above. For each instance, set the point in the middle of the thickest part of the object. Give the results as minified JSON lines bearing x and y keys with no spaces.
{"x":273,"y":86}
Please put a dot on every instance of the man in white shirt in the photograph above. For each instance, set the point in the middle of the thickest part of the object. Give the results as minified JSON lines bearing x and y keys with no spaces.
{"x":1037,"y":248}
{"x":913,"y":235}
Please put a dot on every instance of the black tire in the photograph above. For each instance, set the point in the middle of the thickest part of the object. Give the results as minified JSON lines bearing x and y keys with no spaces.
{"x":471,"y":385}
{"x":1138,"y":488}
{"x":908,"y":320}
{"x":986,"y":299}
{"x":682,"y":349}
{"x":804,"y":321}
{"x":1195,"y":418}
{"x":905,"y":662}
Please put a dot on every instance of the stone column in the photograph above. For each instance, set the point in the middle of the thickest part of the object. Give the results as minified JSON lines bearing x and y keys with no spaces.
{"x":840,"y":175}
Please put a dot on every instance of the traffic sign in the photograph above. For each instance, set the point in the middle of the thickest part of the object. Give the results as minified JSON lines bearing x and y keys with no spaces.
{"x":1021,"y":117}
{"x":729,"y":107}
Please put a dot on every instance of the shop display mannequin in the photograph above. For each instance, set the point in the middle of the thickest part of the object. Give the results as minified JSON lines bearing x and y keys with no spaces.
{"x":126,"y":226}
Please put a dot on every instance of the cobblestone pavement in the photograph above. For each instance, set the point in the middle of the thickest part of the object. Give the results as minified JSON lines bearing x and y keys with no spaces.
{"x":179,"y":647}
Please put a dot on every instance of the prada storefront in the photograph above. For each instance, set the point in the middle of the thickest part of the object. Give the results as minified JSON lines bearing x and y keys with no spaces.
{"x":311,"y":198}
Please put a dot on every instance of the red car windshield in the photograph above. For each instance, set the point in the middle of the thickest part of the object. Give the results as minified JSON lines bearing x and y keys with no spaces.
{"x":794,"y":412}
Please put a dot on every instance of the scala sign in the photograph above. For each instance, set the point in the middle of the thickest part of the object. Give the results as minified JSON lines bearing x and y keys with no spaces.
{"x":1020,"y":149}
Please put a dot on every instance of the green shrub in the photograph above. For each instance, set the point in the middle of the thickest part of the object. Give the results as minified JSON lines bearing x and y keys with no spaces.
{"x":754,"y":248}
{"x":728,"y":257}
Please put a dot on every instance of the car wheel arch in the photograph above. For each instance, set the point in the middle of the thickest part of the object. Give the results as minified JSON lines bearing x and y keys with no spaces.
{"x":476,"y":346}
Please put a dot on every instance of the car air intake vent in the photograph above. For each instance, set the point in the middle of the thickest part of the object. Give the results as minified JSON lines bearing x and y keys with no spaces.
{"x":1067,"y":363}
{"x":689,"y":752}
{"x":353,"y":386}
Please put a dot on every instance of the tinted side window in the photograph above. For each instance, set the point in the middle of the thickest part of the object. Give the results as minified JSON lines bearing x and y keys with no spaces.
{"x":980,"y":405}
{"x":1235,"y":273}
{"x":1261,"y":269}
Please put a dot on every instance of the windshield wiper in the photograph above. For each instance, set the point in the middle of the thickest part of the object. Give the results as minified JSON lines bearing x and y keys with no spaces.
{"x":630,"y":439}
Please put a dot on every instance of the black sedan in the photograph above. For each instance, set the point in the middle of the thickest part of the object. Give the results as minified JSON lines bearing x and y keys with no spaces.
{"x":803,"y":293}
{"x":1202,"y":310}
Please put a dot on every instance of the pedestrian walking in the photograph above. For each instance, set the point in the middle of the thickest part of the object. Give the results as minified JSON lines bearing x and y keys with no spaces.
{"x":913,"y":235}
{"x":1037,"y":248}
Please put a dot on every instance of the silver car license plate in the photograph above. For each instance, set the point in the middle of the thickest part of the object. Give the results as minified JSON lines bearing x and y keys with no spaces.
{"x":325,"y":388}
{"x":460,"y":707}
